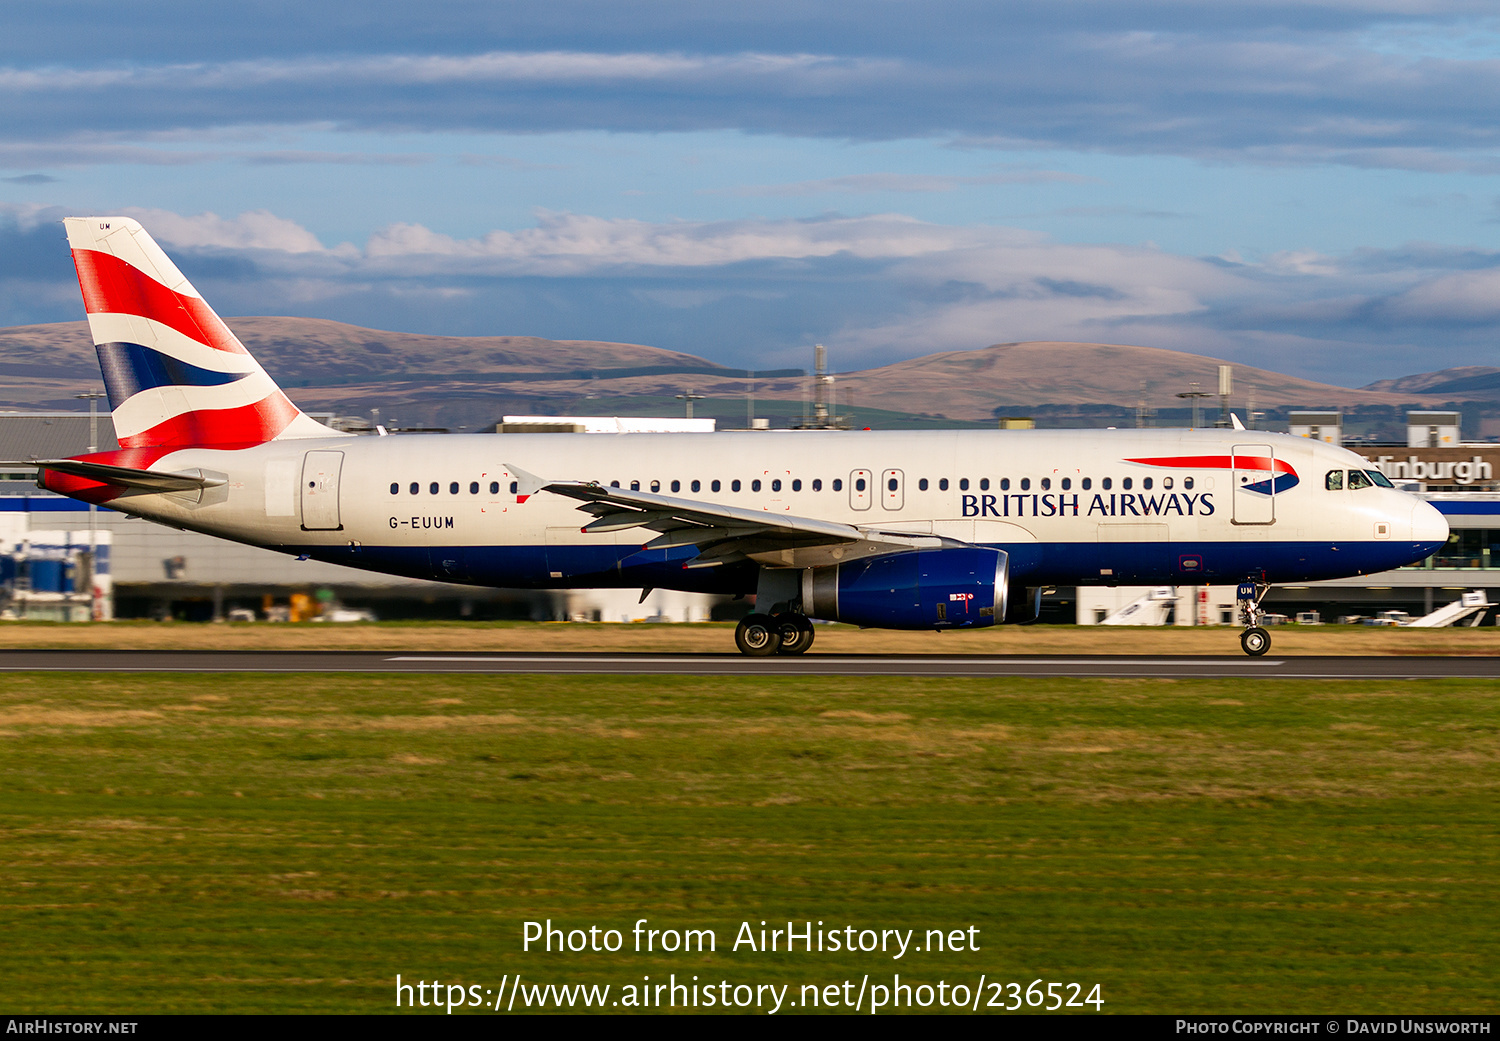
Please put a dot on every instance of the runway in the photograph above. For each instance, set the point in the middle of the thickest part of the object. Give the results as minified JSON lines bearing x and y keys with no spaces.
{"x":1082,"y":666}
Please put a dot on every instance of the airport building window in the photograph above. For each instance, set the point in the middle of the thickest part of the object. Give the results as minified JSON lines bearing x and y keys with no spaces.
{"x":984,"y":484}
{"x":395,"y":488}
{"x":697,"y":486}
{"x":922,"y":485}
{"x":817,"y":484}
{"x":432,"y":488}
{"x":796,"y":484}
{"x":734,"y":485}
{"x":963,"y":484}
{"x":473,"y":487}
{"x":942,"y":484}
{"x":716,"y":486}
{"x":838,"y":484}
{"x":677,"y":486}
{"x":1026,"y":484}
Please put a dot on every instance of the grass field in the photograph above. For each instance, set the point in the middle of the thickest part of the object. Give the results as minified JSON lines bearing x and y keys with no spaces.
{"x":292,"y":842}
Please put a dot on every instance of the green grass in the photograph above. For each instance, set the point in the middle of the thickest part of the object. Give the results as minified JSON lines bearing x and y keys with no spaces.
{"x":291,"y":843}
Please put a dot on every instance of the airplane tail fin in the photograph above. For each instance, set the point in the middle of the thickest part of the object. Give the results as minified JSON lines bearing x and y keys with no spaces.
{"x":175,"y":375}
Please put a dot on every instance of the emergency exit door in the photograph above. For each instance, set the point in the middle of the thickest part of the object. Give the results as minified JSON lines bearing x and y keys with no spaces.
{"x":320,"y":491}
{"x":1253,"y":472}
{"x":860,"y":492}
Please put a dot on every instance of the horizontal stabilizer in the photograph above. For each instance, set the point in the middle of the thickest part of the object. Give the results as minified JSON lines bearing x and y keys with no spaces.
{"x":141,"y":480}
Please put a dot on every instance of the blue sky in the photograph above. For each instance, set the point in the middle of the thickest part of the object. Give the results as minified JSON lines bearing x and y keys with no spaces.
{"x":1307,"y":186}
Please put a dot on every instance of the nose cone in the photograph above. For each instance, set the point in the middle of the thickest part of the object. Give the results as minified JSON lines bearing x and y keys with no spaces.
{"x":1429,"y":528}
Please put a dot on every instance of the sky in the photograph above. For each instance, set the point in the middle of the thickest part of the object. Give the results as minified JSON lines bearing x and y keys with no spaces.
{"x":1309,"y":187}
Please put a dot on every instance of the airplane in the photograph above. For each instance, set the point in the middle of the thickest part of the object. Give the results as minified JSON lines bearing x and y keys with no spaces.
{"x":956,"y":529}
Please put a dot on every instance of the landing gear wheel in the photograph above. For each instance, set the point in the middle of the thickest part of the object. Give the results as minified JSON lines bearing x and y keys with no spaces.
{"x":796,"y":633}
{"x":757,"y":636}
{"x":1255,"y":641}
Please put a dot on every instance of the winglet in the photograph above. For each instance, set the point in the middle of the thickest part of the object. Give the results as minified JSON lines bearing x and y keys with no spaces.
{"x":527,"y":484}
{"x":1236,"y":421}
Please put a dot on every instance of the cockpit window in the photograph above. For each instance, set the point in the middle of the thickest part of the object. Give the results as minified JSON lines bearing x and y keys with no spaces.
{"x":1334,"y":481}
{"x":1357,"y":479}
{"x":1380,"y":478}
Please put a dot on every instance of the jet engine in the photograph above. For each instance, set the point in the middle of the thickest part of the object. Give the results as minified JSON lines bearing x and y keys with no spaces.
{"x":959,"y":588}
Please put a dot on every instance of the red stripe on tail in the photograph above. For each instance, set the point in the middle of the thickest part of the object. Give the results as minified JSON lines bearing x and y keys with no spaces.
{"x":111,"y":286}
{"x":245,"y":425}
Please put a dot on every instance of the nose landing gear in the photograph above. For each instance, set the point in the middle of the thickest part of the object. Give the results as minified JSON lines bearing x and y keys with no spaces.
{"x":1254,"y":641}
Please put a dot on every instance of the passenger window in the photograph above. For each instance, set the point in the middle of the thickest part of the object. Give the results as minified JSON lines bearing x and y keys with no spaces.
{"x":859,"y":485}
{"x":1146,"y":484}
{"x":892,"y":484}
{"x":1087,"y":483}
{"x":1187,"y":484}
{"x":432,"y":489}
{"x":473,"y":487}
{"x":1026,"y":484}
{"x":1166,"y":483}
{"x":943,"y":484}
{"x":1005,"y":484}
{"x":838,"y":484}
{"x":395,"y":489}
{"x":963,"y":484}
{"x":984,"y":484}
{"x":797,"y":484}
{"x":716,"y":486}
{"x":1334,"y":481}
{"x":1380,"y":478}
{"x":656,"y":486}
{"x":817,"y":484}
{"x":755,"y":485}
{"x":1125,"y":484}
{"x":1357,"y":479}
{"x":453,"y":488}
{"x":1046,"y":484}
{"x":614,"y":484}
{"x":677,"y":486}
{"x":776,"y":485}
{"x":734,"y":485}
{"x":1105,"y":484}
{"x":922,"y":485}
{"x":415,"y":487}
{"x":515,"y":486}
{"x":697,"y":486}
{"x":494,"y":487}
{"x":1067,"y":483}
{"x":635,"y":486}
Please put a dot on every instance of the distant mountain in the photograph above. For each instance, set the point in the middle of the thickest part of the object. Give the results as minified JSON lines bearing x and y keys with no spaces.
{"x":470,"y":381}
{"x":1467,"y":382}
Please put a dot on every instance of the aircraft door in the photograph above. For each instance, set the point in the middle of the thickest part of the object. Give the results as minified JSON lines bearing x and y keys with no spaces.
{"x":859,"y":489}
{"x":320,"y":491}
{"x":892,"y":489}
{"x":1253,"y":473}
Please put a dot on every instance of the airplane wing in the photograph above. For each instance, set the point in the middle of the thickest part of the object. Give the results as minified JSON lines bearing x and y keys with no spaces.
{"x":725,"y":534}
{"x":129,"y":477}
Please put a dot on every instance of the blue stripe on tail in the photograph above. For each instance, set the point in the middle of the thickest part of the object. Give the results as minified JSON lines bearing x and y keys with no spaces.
{"x":130,"y":368}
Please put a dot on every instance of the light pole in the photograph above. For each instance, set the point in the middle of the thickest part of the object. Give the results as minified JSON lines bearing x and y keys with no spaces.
{"x":689,"y":397}
{"x":92,"y":397}
{"x":1197,"y":395}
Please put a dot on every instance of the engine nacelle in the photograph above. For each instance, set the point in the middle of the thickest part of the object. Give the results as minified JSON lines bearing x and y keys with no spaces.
{"x":959,"y":588}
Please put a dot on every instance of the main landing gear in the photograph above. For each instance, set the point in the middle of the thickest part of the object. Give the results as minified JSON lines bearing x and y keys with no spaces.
{"x":1255,"y":641}
{"x":762,"y":635}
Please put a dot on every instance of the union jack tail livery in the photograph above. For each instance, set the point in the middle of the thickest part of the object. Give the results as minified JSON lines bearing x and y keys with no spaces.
{"x":176,"y":376}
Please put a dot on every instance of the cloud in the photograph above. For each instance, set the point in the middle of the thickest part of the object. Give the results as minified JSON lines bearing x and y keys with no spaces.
{"x":876,"y":289}
{"x":863,"y":184}
{"x":31,"y":178}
